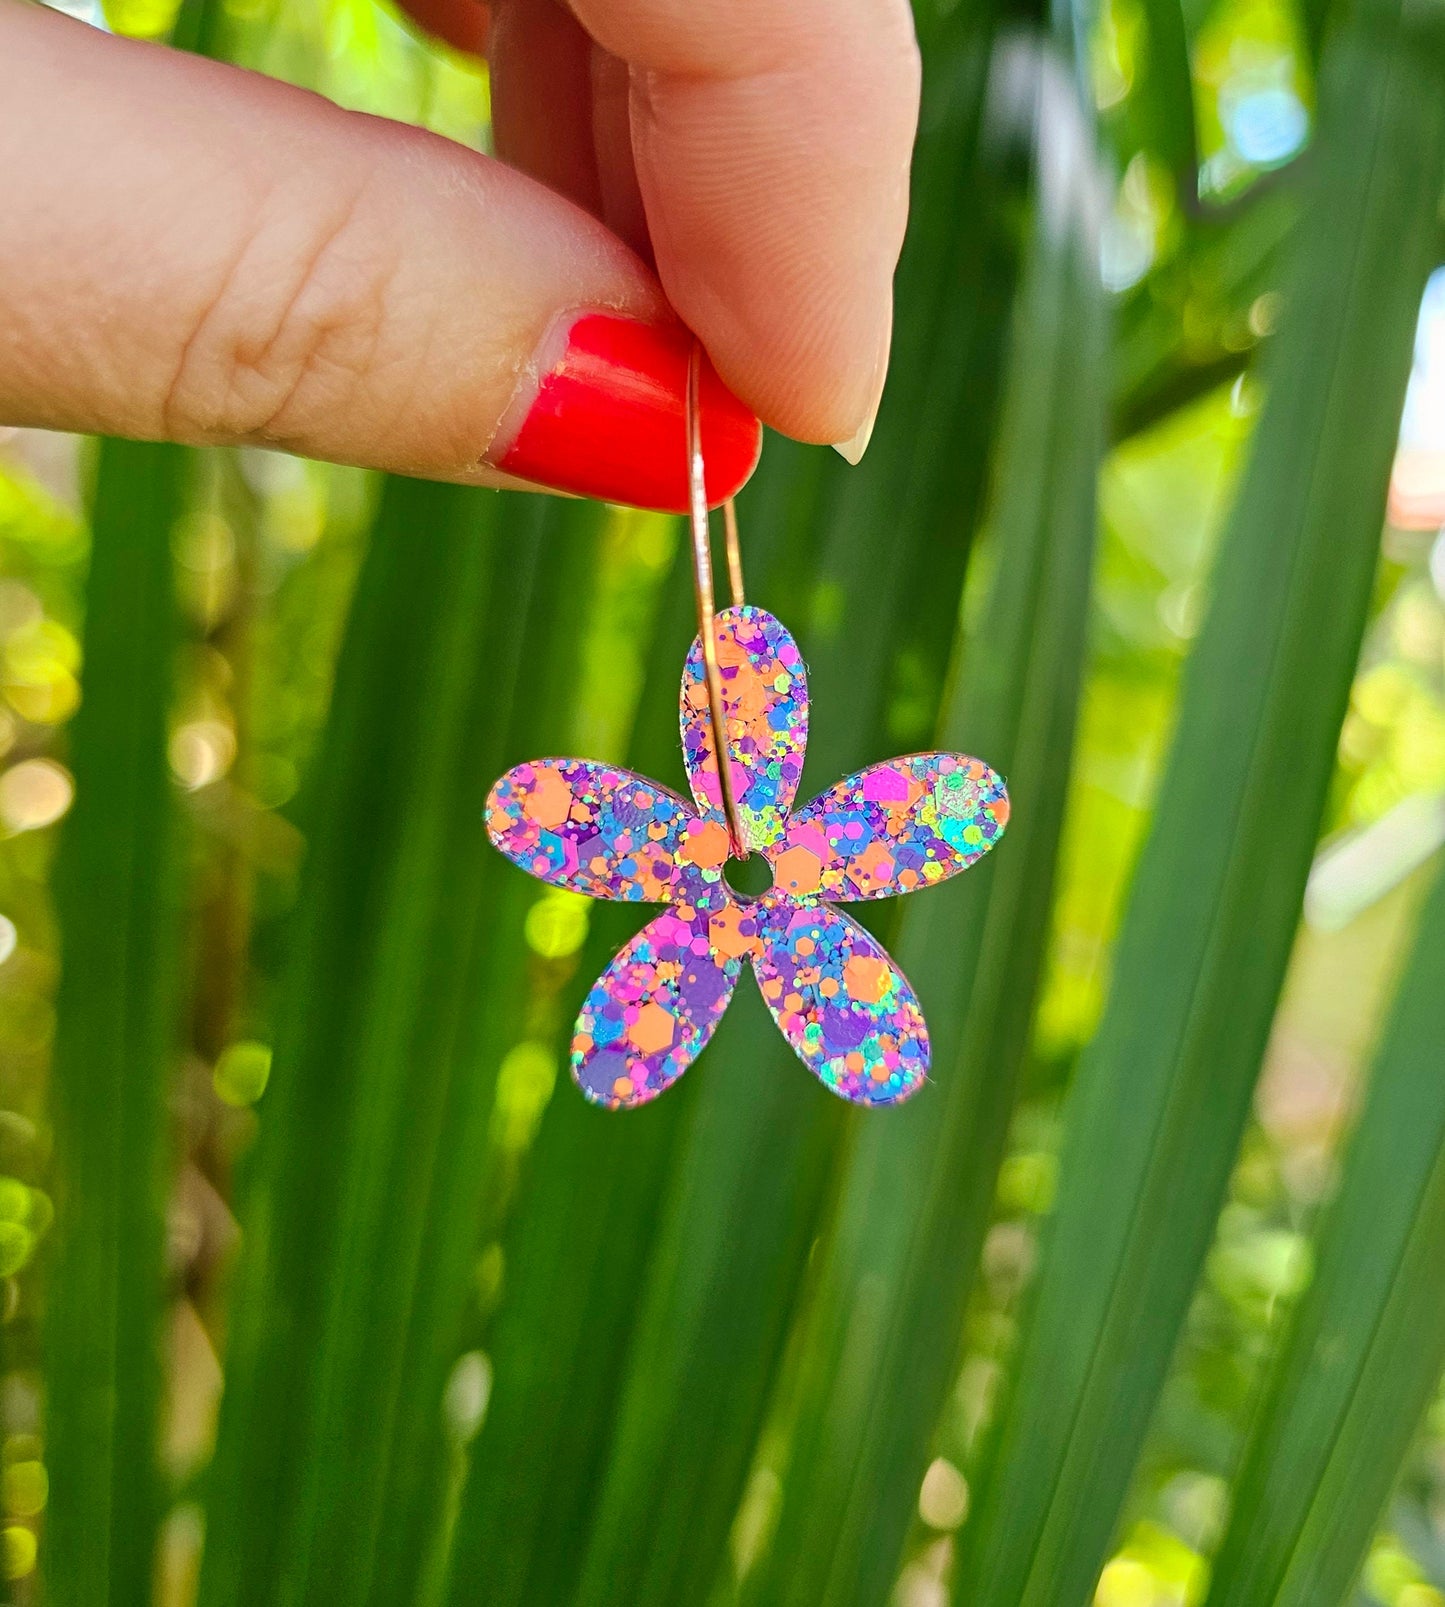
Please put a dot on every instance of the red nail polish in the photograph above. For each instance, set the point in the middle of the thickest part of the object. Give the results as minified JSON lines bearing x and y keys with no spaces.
{"x":609,"y":422}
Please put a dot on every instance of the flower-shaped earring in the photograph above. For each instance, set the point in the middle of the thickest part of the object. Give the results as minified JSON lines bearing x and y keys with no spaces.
{"x":838,"y":999}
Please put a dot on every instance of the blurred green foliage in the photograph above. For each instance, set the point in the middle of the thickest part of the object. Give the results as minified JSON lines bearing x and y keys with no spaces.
{"x":283,"y":1101}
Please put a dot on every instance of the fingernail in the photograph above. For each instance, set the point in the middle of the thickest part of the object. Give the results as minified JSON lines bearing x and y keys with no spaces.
{"x":604,"y":417}
{"x":852,"y":450}
{"x":857,"y":444}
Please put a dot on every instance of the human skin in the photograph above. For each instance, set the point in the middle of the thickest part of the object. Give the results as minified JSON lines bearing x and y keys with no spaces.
{"x":201,"y":254}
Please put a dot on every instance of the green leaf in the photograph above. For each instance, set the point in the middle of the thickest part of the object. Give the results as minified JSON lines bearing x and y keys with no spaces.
{"x":880,"y":1342}
{"x":1160,"y":1099}
{"x":525,"y":696}
{"x":115,"y":1050}
{"x":574,"y":1255}
{"x":738,"y":1215}
{"x":1162,"y":99}
{"x":1365,"y":1349}
{"x":362,"y":1218}
{"x":202,"y":27}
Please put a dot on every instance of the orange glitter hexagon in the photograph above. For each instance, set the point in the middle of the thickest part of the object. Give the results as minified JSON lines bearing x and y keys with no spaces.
{"x":798,"y":871}
{"x":653,"y":1030}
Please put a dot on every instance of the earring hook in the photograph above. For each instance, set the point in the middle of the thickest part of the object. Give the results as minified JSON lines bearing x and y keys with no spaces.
{"x":703,"y":589}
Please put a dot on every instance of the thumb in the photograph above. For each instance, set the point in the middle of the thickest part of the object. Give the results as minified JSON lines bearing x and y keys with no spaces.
{"x":207,"y":256}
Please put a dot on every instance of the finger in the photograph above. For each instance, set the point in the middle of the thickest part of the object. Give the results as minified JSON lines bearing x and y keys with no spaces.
{"x":208,"y":256}
{"x":623,"y":210}
{"x":561,"y":112}
{"x":541,"y":79}
{"x":772,"y":145}
{"x":460,"y":23}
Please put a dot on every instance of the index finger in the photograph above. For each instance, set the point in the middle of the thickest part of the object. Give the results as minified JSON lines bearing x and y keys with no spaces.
{"x":772,"y":147}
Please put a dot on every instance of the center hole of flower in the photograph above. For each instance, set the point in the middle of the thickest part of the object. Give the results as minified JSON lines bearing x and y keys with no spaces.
{"x":750,"y":877}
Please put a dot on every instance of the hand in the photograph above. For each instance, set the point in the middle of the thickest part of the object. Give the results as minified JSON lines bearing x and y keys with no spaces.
{"x":200,"y":254}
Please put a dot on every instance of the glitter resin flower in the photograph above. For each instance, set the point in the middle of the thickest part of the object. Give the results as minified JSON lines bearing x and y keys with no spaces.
{"x":839,"y":1000}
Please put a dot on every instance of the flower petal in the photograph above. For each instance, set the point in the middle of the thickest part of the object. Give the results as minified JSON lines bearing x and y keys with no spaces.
{"x":652,"y":1011}
{"x":602,"y":831}
{"x":891,"y":828}
{"x":765,"y":703}
{"x":840,"y":1002}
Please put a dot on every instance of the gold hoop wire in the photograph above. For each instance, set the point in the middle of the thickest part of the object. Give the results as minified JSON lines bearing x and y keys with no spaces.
{"x":703,"y":590}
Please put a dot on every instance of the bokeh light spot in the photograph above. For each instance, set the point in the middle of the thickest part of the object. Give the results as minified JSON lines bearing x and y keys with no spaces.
{"x":25,"y":1487}
{"x":14,"y":1200}
{"x":17,"y":1551}
{"x":241,"y":1073}
{"x":33,"y":794}
{"x":40,"y":662}
{"x":16,"y":1243}
{"x":556,"y":924}
{"x":525,"y":1081}
{"x":943,"y":1497}
{"x":202,"y":751}
{"x":1267,"y":125}
{"x":467,"y":1392}
{"x":1125,"y":1583}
